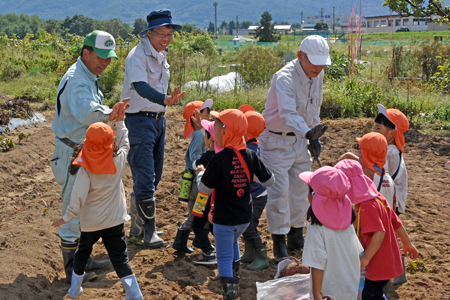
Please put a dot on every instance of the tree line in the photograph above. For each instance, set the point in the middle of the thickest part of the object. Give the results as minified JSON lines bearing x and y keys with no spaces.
{"x":12,"y":23}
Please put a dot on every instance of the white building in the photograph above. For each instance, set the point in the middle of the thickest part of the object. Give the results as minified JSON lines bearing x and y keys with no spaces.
{"x":283,"y":29}
{"x":339,"y":19}
{"x":391,"y":23}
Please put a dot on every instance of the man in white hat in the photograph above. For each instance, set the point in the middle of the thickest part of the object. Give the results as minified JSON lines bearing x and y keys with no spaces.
{"x":292,"y":123}
{"x":79,"y":103}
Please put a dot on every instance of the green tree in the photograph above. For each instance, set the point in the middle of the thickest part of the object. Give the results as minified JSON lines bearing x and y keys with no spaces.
{"x":231,"y":26}
{"x":211,"y":27}
{"x":188,"y":27}
{"x":420,"y":8}
{"x":224,"y":24}
{"x":321,"y":26}
{"x":245,"y":24}
{"x":139,"y":25}
{"x":266,"y":32}
{"x":52,"y":26}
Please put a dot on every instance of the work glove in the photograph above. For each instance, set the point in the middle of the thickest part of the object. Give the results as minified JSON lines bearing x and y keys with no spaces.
{"x":315,"y":148}
{"x":316,"y":132}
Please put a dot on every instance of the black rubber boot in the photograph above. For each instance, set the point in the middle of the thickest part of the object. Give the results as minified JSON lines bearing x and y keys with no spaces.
{"x":97,"y":264}
{"x":295,"y":240}
{"x":180,"y":243}
{"x":279,"y":247}
{"x":68,"y":252}
{"x":236,"y":267}
{"x":230,"y":287}
{"x":249,"y":253}
{"x":137,"y":225}
{"x":147,"y":212}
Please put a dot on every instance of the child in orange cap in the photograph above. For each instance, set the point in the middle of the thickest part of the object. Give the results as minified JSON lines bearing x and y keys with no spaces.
{"x":392,"y":123}
{"x":373,"y":149}
{"x":193,"y":113}
{"x":255,"y":250}
{"x":230,"y":172}
{"x":98,"y":197}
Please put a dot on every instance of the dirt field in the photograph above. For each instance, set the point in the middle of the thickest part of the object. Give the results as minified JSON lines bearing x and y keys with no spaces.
{"x":31,"y":261}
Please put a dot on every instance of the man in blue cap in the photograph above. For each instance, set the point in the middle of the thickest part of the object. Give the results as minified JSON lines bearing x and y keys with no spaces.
{"x":79,"y":103}
{"x":146,"y":81}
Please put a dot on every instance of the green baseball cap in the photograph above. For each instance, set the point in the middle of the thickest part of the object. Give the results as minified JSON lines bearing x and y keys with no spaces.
{"x":102,"y":42}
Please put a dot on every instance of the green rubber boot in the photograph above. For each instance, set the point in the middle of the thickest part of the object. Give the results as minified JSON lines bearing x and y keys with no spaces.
{"x":249,"y":253}
{"x":261,"y":260}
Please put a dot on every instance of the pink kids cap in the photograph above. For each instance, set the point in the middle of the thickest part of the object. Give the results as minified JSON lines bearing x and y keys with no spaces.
{"x":362,"y":187}
{"x":447,"y":165}
{"x":209,"y":126}
{"x":330,"y":204}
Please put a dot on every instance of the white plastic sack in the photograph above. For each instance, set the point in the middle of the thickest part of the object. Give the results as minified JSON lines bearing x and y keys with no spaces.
{"x":218,"y":84}
{"x":295,"y":287}
{"x":14,"y":123}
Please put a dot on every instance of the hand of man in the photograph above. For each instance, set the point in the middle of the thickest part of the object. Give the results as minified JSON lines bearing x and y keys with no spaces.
{"x":315,"y":148}
{"x":120,"y":105}
{"x":316,"y":132}
{"x":174,"y":97}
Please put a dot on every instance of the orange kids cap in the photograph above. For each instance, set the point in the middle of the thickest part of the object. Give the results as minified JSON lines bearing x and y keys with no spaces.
{"x":236,"y":127}
{"x":97,"y":154}
{"x":256,"y":124}
{"x":189,"y":110}
{"x":401,"y":124}
{"x":373,"y":147}
{"x":245,"y":108}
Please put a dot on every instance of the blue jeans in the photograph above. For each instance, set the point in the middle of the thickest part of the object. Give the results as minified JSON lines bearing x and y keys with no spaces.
{"x":146,"y":157}
{"x":227,"y":246}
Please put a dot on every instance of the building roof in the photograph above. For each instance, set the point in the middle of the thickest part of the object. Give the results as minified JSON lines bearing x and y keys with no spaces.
{"x":276,"y":27}
{"x":282,"y":27}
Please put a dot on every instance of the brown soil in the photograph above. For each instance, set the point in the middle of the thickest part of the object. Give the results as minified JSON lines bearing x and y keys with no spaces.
{"x":31,"y":261}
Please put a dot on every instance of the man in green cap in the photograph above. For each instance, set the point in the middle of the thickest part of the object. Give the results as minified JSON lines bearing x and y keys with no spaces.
{"x":79,"y":103}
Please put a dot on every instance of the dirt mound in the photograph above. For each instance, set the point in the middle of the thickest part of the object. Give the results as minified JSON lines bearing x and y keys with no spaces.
{"x":29,"y":247}
{"x":15,"y":108}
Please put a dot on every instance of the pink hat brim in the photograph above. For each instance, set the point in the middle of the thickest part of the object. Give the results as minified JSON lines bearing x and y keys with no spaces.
{"x":334,"y":213}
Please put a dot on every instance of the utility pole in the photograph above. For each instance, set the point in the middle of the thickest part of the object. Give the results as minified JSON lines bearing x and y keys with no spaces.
{"x":237,"y":26}
{"x":333,"y":18}
{"x":321,"y":14}
{"x":215,"y":4}
{"x":301,"y":19}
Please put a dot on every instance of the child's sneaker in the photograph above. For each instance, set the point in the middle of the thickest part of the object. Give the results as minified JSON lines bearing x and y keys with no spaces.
{"x":208,"y":258}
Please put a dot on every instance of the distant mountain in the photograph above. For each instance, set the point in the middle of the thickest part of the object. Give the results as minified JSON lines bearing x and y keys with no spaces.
{"x":198,"y":12}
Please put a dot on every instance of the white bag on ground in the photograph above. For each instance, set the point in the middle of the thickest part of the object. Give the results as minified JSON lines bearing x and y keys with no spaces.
{"x":295,"y":287}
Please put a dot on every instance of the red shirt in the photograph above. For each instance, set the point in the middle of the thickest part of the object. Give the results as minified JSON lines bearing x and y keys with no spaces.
{"x":387,"y":262}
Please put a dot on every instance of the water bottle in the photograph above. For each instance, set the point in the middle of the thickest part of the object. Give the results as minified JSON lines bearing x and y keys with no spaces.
{"x":186,"y":185}
{"x":200,"y":204}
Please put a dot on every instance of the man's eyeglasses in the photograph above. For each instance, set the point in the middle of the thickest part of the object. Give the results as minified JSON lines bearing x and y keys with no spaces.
{"x":162,"y":35}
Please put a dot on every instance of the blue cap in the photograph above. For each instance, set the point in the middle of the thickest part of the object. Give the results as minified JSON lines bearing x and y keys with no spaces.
{"x":158,"y":18}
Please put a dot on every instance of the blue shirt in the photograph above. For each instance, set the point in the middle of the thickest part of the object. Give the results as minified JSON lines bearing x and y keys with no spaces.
{"x":196,"y":149}
{"x":256,"y":189}
{"x":79,"y":103}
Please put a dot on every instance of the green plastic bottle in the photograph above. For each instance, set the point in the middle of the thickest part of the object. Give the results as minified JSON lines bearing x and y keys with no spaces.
{"x":186,"y":185}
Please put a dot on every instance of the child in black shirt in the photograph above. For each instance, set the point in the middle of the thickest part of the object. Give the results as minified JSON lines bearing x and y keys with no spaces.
{"x":230,"y":173}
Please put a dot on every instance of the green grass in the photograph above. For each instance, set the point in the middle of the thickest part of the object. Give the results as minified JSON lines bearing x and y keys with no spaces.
{"x":406,"y":36}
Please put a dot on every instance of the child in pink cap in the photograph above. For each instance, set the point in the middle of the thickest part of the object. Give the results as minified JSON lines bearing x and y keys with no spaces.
{"x":331,"y":247}
{"x":377,"y":224}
